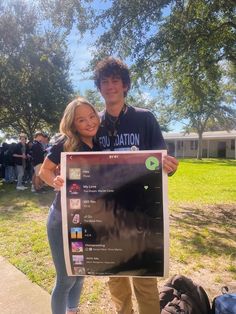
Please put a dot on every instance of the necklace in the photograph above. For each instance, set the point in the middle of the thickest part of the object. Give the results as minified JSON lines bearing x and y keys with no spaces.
{"x":112,"y":124}
{"x":113,"y":119}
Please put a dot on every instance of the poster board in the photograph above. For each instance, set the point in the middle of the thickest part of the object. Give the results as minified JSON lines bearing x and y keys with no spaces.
{"x":115,"y":213}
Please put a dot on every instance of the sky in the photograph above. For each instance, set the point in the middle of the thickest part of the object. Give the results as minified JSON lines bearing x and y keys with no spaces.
{"x":80,"y":54}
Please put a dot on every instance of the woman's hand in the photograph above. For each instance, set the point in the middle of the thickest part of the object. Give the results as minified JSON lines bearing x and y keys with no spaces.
{"x":49,"y":174}
{"x":58,"y":182}
{"x":170,"y":164}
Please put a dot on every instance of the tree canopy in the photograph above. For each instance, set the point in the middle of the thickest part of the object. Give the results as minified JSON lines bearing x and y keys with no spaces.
{"x":185,"y":47}
{"x":34,"y":81}
{"x":180,"y":45}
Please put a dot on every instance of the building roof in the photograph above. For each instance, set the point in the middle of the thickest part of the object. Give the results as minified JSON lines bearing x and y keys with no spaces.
{"x":206,"y":135}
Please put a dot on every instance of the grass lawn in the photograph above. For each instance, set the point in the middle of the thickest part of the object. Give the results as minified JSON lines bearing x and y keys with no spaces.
{"x":202,"y":203}
{"x":207,"y":181}
{"x":202,"y":197}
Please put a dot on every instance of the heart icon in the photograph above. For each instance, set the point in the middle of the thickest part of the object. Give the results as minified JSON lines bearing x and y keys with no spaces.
{"x":145,"y":187}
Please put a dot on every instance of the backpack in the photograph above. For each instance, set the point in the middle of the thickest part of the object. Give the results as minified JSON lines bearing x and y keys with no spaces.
{"x":225,"y":303}
{"x":181,"y":295}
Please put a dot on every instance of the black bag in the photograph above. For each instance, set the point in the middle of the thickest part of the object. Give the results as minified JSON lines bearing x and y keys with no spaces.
{"x":181,"y":295}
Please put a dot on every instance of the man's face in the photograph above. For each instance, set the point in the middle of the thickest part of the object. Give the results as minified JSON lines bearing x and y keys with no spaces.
{"x":112,"y":90}
{"x":45,"y":140}
{"x":22,"y":140}
{"x":39,"y":138}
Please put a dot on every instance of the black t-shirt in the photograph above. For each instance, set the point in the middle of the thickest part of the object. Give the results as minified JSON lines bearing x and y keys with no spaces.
{"x":19,"y":150}
{"x":136,"y":127}
{"x":54,"y":155}
{"x":37,"y":153}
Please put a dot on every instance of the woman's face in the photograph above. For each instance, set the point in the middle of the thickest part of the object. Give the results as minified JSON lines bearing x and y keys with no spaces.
{"x":86,"y":121}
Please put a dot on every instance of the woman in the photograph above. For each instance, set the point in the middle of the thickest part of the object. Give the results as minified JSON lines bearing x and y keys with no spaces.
{"x":78,"y":127}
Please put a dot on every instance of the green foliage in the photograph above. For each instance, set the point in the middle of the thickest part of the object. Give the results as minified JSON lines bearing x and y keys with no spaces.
{"x":64,"y":13}
{"x":185,"y":46}
{"x":95,"y":99}
{"x":154,"y":104}
{"x":161,"y":32}
{"x":34,"y":84}
{"x":182,"y":48}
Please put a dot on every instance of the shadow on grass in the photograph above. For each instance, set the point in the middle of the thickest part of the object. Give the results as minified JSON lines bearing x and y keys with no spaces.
{"x":208,"y":230}
{"x":12,"y":200}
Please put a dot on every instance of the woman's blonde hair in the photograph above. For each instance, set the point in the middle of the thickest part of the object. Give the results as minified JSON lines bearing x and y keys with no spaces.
{"x":67,"y":127}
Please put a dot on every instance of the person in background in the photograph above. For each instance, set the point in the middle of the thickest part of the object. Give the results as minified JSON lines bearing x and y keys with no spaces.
{"x":29,"y":171}
{"x":37,"y":154}
{"x":2,"y":170}
{"x":9,"y":163}
{"x":4,"y":149}
{"x":78,"y":128}
{"x":20,"y":154}
{"x":124,"y":127}
{"x":46,"y":140}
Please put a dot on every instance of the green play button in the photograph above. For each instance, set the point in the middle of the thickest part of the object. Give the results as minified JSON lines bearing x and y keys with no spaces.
{"x":152,"y":163}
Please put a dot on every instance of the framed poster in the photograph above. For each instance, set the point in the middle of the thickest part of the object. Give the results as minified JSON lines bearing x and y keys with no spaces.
{"x":114,"y":213}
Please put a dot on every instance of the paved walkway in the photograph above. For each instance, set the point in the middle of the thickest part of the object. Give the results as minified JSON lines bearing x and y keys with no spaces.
{"x":18,"y":295}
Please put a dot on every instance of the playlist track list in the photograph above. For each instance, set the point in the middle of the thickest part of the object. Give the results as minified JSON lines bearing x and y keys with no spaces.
{"x":114,"y":214}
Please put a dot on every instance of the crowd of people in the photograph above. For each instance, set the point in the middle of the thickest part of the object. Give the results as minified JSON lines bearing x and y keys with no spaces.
{"x":20,"y":162}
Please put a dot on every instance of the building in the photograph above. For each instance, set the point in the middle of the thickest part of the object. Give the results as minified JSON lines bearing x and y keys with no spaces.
{"x":217,"y":144}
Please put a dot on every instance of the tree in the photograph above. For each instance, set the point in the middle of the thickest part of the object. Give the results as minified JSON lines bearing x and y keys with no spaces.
{"x":154,"y":104}
{"x":34,"y":81}
{"x":179,"y":45}
{"x":153,"y":32}
{"x":65,"y":13}
{"x":182,"y":48}
{"x":176,"y":44}
{"x":201,"y":104}
{"x":95,"y":99}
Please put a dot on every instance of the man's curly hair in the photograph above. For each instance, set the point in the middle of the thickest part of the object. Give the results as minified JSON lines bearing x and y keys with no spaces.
{"x":110,"y":66}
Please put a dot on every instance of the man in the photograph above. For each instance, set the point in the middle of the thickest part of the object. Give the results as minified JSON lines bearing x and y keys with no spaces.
{"x":20,"y":155}
{"x":38,"y":153}
{"x":45,"y":143}
{"x":124,"y":127}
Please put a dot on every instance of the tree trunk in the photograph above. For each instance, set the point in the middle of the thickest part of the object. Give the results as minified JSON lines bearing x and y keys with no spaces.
{"x":199,"y":149}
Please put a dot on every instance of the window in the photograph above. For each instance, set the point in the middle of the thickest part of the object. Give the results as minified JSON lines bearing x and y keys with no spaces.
{"x":180,"y":144}
{"x":232,"y":144}
{"x":193,"y":145}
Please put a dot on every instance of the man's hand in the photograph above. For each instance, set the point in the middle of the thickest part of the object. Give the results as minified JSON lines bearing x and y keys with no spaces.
{"x":170,"y":164}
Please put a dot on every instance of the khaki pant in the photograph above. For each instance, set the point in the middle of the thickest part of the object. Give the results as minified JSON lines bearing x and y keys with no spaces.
{"x":145,"y":290}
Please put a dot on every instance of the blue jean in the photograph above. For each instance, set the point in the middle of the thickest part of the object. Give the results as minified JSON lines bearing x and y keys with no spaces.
{"x":20,"y":173}
{"x":9,"y":174}
{"x":67,"y":290}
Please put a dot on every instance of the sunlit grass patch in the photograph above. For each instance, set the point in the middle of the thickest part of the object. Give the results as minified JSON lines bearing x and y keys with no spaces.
{"x":208,"y":181}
